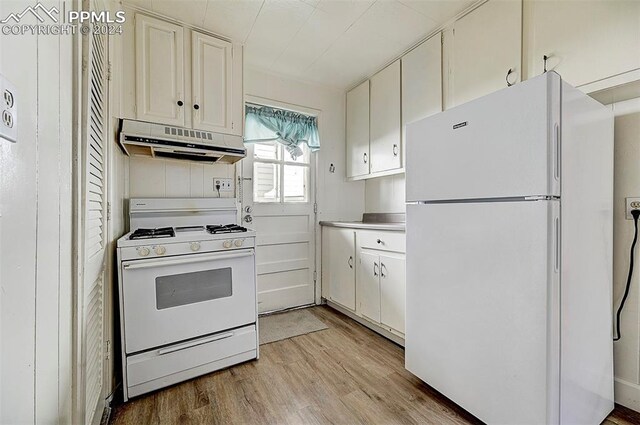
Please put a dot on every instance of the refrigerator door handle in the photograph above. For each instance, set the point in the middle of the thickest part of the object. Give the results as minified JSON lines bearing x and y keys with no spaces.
{"x":556,"y":147}
{"x":557,"y":245}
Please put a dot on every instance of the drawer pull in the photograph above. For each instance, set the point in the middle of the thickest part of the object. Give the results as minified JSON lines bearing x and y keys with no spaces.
{"x":194,"y":343}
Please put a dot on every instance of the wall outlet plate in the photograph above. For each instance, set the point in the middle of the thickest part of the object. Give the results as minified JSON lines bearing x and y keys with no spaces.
{"x":631,"y":204}
{"x":226,"y":184}
{"x":8,"y":110}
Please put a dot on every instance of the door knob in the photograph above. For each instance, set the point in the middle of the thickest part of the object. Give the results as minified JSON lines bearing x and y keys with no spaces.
{"x":248,"y":218}
{"x":248,"y":209}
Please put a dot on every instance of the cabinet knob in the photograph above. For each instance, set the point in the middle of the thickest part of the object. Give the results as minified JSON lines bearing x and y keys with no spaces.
{"x":180,"y":103}
{"x":379,"y":241}
{"x":196,"y":106}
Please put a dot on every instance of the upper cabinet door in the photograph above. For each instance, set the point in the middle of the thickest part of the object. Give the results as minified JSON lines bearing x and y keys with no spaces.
{"x":212,"y":102}
{"x":486,"y":45}
{"x":159,"y":71}
{"x":422,"y":82}
{"x":358,"y":131}
{"x":585,"y":42}
{"x":385,"y":119}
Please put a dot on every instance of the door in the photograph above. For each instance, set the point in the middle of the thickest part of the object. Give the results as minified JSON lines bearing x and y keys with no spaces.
{"x":385,"y":119}
{"x":164,"y":294}
{"x":392,"y":291}
{"x":212,"y":75}
{"x":339,"y":265}
{"x":486,"y":46}
{"x":358,"y":131}
{"x":502,"y":145}
{"x":482,"y":306}
{"x":159,"y":71}
{"x":422,"y":82}
{"x":278,"y":194}
{"x":369,"y":285}
{"x":93,"y":163}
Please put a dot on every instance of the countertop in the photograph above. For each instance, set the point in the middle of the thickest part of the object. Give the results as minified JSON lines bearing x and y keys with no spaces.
{"x":395,"y":227}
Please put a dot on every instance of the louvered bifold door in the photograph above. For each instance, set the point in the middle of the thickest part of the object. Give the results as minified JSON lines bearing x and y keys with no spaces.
{"x":94,"y":222}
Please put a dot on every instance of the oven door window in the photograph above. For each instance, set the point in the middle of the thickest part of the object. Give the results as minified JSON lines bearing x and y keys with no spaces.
{"x":194,"y":287}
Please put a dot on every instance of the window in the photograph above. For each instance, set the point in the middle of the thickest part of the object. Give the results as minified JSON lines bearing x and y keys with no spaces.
{"x":278,"y":176}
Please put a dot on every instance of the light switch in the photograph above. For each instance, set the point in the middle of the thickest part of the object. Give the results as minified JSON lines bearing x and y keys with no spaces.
{"x":8,"y":110}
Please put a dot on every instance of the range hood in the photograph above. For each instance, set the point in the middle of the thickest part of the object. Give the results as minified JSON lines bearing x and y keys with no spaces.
{"x":139,"y":138}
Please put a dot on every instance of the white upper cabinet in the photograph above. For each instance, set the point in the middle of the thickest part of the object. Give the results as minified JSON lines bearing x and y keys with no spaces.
{"x":159,"y":71}
{"x":212,"y":84}
{"x":198,"y":88}
{"x":585,"y":42}
{"x":358,"y":131}
{"x":422,"y":82}
{"x":485,"y":46}
{"x":385,"y":134}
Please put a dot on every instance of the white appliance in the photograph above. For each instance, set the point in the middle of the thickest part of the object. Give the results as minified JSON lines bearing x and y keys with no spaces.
{"x":509,"y":254}
{"x":187,"y":287}
{"x":140,"y":138}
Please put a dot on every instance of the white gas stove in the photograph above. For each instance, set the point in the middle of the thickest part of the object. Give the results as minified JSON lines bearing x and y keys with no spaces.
{"x":188,"y":303}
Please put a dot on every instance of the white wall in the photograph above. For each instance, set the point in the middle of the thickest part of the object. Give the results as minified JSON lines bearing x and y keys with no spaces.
{"x":626,"y":184}
{"x":35,"y":229}
{"x":385,"y":194}
{"x":337,"y":198}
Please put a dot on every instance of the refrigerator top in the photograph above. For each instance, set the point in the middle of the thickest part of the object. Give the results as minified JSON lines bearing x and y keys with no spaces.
{"x":503,"y":145}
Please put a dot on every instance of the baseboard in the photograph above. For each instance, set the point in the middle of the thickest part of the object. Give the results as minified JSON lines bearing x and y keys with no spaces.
{"x":385,"y":333}
{"x":627,"y":394}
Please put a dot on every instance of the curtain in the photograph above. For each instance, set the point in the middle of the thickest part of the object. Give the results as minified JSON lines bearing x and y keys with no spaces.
{"x":266,"y":124}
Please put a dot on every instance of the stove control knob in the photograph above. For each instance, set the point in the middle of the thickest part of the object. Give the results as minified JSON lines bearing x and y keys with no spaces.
{"x":144,"y":251}
{"x":160,"y":250}
{"x":238,"y":242}
{"x":195,"y":246}
{"x":227,"y":244}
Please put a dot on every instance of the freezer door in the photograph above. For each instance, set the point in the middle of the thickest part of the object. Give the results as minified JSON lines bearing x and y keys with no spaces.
{"x":482,"y":307}
{"x":502,"y":145}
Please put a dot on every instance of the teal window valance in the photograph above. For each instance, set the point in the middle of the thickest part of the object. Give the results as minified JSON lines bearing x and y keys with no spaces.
{"x":266,"y":124}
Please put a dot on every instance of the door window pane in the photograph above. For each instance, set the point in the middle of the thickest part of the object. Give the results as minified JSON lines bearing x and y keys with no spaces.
{"x":266,"y":182}
{"x":194,"y":287}
{"x":295,"y":183}
{"x":266,"y":150}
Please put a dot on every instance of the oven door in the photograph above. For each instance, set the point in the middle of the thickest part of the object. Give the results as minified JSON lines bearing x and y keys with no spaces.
{"x":171,"y":299}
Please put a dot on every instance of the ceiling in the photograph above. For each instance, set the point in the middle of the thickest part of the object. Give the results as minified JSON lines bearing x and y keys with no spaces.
{"x":331,"y":42}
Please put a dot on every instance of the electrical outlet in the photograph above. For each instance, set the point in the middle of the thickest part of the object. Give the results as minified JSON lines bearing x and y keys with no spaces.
{"x":226,"y":184}
{"x":8,"y":110}
{"x":631,"y":204}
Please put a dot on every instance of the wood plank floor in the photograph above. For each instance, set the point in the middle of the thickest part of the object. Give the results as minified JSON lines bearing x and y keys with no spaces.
{"x":346,"y":374}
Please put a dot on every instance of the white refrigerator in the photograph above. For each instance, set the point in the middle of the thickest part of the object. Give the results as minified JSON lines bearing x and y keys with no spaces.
{"x":509,"y":254}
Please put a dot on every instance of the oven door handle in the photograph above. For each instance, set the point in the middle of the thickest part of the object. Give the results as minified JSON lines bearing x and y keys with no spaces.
{"x":185,"y":259}
{"x":194,"y":343}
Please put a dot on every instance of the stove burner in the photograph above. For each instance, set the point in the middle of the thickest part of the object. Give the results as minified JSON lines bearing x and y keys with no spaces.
{"x":225,"y":228}
{"x":160,"y":232}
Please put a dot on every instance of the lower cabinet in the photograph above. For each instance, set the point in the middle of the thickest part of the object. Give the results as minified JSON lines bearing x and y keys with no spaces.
{"x":392,"y":291}
{"x":338,"y":266}
{"x":364,"y":272}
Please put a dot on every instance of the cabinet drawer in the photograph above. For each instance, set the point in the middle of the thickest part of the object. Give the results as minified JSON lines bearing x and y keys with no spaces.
{"x":156,"y":364}
{"x":381,"y":241}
